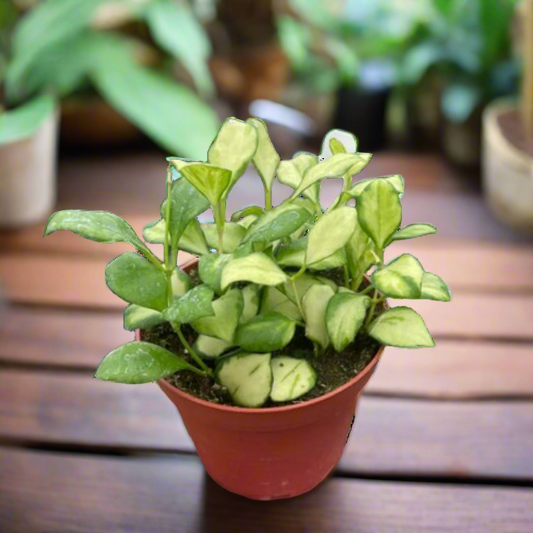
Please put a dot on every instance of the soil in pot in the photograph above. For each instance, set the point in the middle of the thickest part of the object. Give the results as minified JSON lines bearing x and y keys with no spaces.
{"x":333,"y":369}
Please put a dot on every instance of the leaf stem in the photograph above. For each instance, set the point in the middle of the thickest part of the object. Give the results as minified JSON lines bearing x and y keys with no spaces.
{"x":295,"y":292}
{"x":372,"y":309}
{"x":219,"y":214}
{"x":206,"y":370}
{"x":167,"y":252}
{"x":268,"y":199}
{"x":299,"y":273}
{"x":346,"y":276}
{"x":368,"y":289}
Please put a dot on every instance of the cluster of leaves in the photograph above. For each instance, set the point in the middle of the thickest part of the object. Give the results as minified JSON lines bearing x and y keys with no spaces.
{"x":468,"y":43}
{"x":264,"y":272}
{"x":60,"y":47}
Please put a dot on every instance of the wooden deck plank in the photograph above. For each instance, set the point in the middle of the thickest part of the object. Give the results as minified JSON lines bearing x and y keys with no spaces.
{"x":79,"y":282}
{"x":391,"y":436}
{"x":59,"y":337}
{"x":80,"y":339}
{"x":175,"y":494}
{"x":464,"y":264}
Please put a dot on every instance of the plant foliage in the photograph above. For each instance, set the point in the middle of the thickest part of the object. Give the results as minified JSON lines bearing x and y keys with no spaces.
{"x":266,"y":275}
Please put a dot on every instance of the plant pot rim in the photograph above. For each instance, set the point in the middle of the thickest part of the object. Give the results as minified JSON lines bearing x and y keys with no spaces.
{"x":164,"y":384}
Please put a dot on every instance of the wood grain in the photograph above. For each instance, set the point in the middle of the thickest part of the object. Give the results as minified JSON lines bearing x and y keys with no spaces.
{"x":79,"y":282}
{"x":174,"y":494}
{"x":466,"y":265}
{"x":456,"y":370}
{"x":459,"y":439}
{"x":60,"y":337}
{"x":80,"y":339}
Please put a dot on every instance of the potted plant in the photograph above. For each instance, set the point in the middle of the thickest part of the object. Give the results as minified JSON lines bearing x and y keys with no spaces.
{"x":27,"y":144}
{"x":265,"y":342}
{"x":119,"y":52}
{"x":508,"y":143}
{"x":468,"y":46}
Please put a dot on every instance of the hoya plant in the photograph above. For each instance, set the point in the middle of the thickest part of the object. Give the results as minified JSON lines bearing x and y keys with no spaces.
{"x":276,"y":290}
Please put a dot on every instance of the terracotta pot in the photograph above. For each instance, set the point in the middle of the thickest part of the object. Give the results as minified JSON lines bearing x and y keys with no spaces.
{"x":271,"y":453}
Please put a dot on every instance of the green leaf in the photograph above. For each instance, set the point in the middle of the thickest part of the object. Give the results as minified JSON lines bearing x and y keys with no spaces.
{"x":255,"y":268}
{"x":139,"y":362}
{"x":192,"y":306}
{"x":248,"y":378}
{"x":345,"y":314}
{"x":401,"y":278}
{"x":298,"y":288}
{"x":413,"y":230}
{"x":186,"y":203}
{"x":136,"y":280}
{"x":180,"y":282}
{"x":379,"y":211}
{"x":137,"y":317}
{"x":357,"y":255}
{"x":275,"y":301}
{"x":47,"y":26}
{"x":293,"y":255}
{"x":211,"y":267}
{"x":314,"y":304}
{"x":154,"y":233}
{"x":338,"y":139}
{"x":192,"y":240}
{"x":99,"y":226}
{"x":265,"y":333}
{"x":291,"y":173}
{"x":330,"y":233}
{"x":24,"y":121}
{"x":292,"y":378}
{"x":402,"y":327}
{"x":210,"y":180}
{"x":247,"y":212}
{"x":174,"y":28}
{"x":169,"y":112}
{"x":334,"y":167}
{"x":228,"y":311}
{"x":251,"y":298}
{"x":210,"y":347}
{"x":233,"y":148}
{"x":434,"y":288}
{"x":233,"y":235}
{"x":278,"y":223}
{"x":265,"y":159}
{"x":395,"y":180}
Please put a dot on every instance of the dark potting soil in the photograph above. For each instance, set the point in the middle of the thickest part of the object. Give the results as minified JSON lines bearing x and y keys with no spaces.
{"x":333,"y":369}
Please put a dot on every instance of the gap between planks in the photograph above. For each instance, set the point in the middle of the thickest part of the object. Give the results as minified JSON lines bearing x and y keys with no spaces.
{"x":156,"y":494}
{"x":74,"y":339}
{"x":391,"y":436}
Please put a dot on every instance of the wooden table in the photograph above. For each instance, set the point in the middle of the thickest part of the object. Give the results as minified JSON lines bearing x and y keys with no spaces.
{"x":443,"y":439}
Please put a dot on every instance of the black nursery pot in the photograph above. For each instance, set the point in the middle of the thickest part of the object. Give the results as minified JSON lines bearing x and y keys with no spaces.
{"x":363,"y":111}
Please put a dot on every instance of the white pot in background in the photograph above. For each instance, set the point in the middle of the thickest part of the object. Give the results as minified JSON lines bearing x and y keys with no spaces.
{"x":507,"y":173}
{"x":28,"y":176}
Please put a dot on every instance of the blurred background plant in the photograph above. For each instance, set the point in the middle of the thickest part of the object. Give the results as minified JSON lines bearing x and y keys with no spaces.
{"x":407,"y":73}
{"x":148,"y":59}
